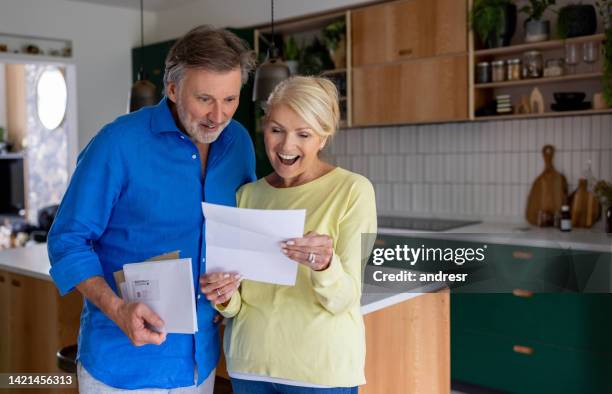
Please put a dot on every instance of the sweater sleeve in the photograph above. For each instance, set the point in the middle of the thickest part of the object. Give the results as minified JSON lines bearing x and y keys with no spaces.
{"x":338,"y":287}
{"x":232,"y":308}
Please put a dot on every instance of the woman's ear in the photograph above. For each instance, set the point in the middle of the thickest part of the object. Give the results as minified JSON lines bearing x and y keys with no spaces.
{"x":323,"y":142}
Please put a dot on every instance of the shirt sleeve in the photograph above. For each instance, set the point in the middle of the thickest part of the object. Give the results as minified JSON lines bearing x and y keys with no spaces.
{"x":84,"y":213}
{"x":338,"y":287}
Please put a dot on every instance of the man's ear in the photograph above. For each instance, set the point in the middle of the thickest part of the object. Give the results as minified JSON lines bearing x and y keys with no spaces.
{"x":171,"y":91}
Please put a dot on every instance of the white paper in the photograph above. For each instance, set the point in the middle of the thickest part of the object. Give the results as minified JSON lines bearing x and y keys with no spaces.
{"x":247,"y":241}
{"x":165,"y":286}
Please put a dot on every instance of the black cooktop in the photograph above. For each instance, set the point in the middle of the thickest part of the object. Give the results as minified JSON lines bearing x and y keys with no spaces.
{"x":422,"y":224}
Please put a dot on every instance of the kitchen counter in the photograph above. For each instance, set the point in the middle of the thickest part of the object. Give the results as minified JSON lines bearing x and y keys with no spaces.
{"x":33,"y":261}
{"x":593,"y":239}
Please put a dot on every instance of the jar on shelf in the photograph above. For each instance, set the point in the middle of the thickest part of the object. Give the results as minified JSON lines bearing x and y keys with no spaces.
{"x":483,"y":72}
{"x":498,"y":70}
{"x":554,"y":68}
{"x":533,"y":64}
{"x":514,"y":69}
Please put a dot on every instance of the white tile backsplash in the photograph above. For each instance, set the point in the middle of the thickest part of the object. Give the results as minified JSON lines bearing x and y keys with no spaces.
{"x":472,"y":169}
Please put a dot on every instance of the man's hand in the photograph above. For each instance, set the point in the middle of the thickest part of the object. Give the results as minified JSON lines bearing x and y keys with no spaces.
{"x":134,"y":319}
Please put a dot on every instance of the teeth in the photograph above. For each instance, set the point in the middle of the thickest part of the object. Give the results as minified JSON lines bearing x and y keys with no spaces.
{"x":287,"y":157}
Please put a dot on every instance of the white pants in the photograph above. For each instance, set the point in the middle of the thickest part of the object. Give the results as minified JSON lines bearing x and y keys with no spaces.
{"x":90,"y":385}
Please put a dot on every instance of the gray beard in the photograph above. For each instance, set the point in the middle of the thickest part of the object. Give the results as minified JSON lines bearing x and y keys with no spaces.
{"x":193,"y":129}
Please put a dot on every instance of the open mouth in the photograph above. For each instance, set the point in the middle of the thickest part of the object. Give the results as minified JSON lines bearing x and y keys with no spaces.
{"x":209,"y":127}
{"x":287,"y":160}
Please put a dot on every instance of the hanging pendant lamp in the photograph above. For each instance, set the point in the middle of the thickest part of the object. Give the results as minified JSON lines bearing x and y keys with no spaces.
{"x":143,"y":92}
{"x":271,"y":72}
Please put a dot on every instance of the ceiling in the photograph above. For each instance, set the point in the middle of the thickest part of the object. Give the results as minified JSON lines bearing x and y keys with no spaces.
{"x":149,"y":5}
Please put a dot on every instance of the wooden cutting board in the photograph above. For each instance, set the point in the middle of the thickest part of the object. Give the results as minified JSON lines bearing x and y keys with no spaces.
{"x":584,"y":206}
{"x":548,"y":192}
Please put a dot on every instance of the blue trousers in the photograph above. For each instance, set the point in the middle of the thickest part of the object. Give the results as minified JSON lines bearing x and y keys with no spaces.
{"x":254,"y":387}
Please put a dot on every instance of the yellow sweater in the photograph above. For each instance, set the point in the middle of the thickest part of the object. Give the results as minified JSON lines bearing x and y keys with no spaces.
{"x":312,"y":332}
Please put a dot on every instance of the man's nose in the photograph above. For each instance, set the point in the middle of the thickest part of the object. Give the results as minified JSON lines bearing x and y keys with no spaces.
{"x":216,"y":114}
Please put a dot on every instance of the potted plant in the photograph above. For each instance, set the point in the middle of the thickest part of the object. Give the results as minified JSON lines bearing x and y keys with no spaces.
{"x":603,"y":191}
{"x":605,"y":11}
{"x":334,"y":37}
{"x":536,"y":29}
{"x":577,"y":20}
{"x":494,"y":21}
{"x":291,"y":53}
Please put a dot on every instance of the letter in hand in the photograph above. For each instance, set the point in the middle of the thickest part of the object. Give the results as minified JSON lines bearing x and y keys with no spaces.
{"x":218,"y":287}
{"x":140,"y":324}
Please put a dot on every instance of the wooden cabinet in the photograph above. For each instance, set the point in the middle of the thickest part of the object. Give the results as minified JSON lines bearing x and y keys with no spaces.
{"x":408,"y":29}
{"x":426,"y":90}
{"x":409,"y":62}
{"x":35,"y":322}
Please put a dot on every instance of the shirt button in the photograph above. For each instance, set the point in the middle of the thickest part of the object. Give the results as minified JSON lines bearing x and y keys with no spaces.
{"x":203,"y":259}
{"x":193,"y":157}
{"x":182,"y":137}
{"x":199,"y":296}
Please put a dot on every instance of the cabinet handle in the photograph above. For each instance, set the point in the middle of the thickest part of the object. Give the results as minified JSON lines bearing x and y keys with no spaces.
{"x":1,"y":278}
{"x":16,"y":283}
{"x":523,"y":349}
{"x":522,"y":293}
{"x":405,"y":52}
{"x":521,"y":255}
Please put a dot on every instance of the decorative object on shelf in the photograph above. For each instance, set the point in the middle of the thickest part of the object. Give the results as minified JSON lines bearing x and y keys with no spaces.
{"x":554,"y":68}
{"x":3,"y":47}
{"x":315,"y":59}
{"x":536,"y":29}
{"x":571,"y":56}
{"x":504,"y":104}
{"x":143,"y":92}
{"x":67,"y":52}
{"x":548,"y":192}
{"x":272,"y":71}
{"x":536,"y":101}
{"x":483,"y":72}
{"x":494,"y":21}
{"x":498,"y":70}
{"x":514,"y":69}
{"x":334,"y":36}
{"x":603,"y":191}
{"x":599,"y":102}
{"x":291,"y":53}
{"x":576,"y":20}
{"x":590,"y":53}
{"x":524,"y":105}
{"x":31,"y":49}
{"x":532,"y":64}
{"x":570,"y":101}
{"x":585,"y":208}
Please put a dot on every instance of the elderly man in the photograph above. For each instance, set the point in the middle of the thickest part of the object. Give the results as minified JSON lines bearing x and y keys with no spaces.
{"x":136,"y":193}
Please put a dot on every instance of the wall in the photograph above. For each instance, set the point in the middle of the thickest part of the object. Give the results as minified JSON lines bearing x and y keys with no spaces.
{"x":102,"y":39}
{"x":174,"y":22}
{"x":478,"y":170}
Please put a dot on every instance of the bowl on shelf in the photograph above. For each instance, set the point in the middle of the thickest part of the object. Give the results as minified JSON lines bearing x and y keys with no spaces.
{"x":569,"y":99}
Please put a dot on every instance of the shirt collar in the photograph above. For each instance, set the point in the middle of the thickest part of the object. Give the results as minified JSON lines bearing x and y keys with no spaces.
{"x":162,"y":120}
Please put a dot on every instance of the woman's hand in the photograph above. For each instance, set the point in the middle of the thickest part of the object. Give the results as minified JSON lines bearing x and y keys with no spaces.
{"x":313,"y":250}
{"x":219,"y":286}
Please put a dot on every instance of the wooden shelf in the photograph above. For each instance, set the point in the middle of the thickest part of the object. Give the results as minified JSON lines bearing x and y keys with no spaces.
{"x":552,"y":44}
{"x":538,"y":81}
{"x":544,"y":115}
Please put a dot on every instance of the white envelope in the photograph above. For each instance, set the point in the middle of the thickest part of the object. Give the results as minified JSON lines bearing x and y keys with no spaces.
{"x":166,"y":287}
{"x":247,"y":241}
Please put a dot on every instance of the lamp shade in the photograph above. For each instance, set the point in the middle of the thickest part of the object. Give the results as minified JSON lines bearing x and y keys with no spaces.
{"x":142,"y":94}
{"x":267,"y":76}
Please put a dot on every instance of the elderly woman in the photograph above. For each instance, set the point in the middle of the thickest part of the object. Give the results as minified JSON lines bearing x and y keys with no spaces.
{"x":307,"y":338}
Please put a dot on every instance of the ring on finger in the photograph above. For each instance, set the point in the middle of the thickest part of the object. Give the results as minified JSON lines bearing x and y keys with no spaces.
{"x":218,"y":293}
{"x":312,"y":258}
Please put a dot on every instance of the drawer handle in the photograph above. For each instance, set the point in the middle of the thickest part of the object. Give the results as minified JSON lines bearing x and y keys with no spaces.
{"x":16,"y":283}
{"x":405,"y":52}
{"x":522,"y":293}
{"x":380,"y":242}
{"x":521,"y":255}
{"x":1,"y":279}
{"x":523,"y":349}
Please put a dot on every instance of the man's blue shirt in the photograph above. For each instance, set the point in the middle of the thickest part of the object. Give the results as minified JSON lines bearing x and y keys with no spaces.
{"x":136,"y":193}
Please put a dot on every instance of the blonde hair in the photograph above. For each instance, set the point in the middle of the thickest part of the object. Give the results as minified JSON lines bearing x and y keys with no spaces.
{"x":314,"y":99}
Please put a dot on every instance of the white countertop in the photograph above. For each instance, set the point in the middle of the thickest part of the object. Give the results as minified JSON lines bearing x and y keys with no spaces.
{"x":593,"y":239}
